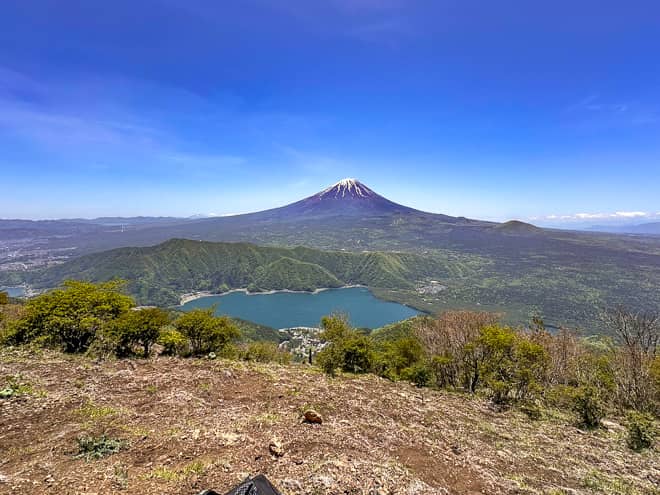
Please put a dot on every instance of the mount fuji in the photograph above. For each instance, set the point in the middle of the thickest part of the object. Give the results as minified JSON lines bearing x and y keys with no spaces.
{"x":346,"y":198}
{"x":348,"y":215}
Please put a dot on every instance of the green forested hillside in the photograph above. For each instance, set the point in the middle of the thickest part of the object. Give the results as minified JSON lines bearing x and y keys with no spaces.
{"x":160,"y":274}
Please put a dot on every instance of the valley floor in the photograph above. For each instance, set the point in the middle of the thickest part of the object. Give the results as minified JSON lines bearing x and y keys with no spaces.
{"x":195,"y":424}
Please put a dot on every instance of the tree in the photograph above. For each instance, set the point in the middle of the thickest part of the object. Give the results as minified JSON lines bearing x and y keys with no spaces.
{"x":639,"y":331}
{"x":639,"y":334}
{"x":357,"y":354}
{"x":449,"y":339}
{"x":206,"y":332}
{"x":509,"y":362}
{"x":4,"y":298}
{"x":72,"y":315}
{"x":138,"y":327}
{"x":396,"y":358}
{"x":346,"y":348}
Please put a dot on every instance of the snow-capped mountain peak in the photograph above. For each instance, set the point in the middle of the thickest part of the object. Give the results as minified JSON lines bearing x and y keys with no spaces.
{"x":348,"y":187}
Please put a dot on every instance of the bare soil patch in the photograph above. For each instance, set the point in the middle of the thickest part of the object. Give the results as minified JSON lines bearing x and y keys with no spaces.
{"x":187,"y":425}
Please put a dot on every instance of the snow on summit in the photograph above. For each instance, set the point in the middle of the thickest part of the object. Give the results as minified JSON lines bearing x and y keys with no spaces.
{"x":347,"y":187}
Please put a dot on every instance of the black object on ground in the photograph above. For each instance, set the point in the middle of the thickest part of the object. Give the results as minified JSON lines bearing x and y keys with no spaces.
{"x":259,"y":485}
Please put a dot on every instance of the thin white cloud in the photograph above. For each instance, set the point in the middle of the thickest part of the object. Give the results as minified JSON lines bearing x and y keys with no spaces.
{"x":617,"y":215}
{"x":631,"y":214}
{"x":594,"y":112}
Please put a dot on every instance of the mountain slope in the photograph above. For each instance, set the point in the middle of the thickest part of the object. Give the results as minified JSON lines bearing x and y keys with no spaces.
{"x":159,"y":274}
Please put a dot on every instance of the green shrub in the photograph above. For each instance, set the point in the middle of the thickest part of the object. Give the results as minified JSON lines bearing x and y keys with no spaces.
{"x":419,"y":374}
{"x":71,"y":316}
{"x":173,"y":341}
{"x":509,"y":363}
{"x":532,"y":410}
{"x":588,"y":404}
{"x":139,"y":327}
{"x":641,"y":431}
{"x":347,"y":349}
{"x":15,"y":386}
{"x":398,"y":355}
{"x":265,"y":352}
{"x":206,"y":332}
{"x":96,"y":447}
{"x":358,"y":354}
{"x":560,"y":396}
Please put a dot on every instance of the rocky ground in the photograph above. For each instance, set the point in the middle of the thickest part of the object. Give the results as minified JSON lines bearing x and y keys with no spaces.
{"x":185,"y":425}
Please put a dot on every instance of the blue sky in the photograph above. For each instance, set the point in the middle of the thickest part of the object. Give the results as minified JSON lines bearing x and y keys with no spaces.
{"x":543,"y":111}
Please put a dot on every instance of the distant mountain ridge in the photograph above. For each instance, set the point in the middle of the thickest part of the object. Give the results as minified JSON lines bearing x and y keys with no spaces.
{"x":650,"y":228}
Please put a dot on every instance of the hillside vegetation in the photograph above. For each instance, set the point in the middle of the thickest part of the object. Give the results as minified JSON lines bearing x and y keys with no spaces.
{"x":160,"y":274}
{"x":566,"y":281}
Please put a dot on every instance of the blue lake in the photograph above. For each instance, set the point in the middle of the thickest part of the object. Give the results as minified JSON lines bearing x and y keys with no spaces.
{"x":291,"y":309}
{"x":13,"y":291}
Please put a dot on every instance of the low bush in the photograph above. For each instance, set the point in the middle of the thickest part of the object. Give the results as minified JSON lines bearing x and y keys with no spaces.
{"x":174,"y":342}
{"x":641,"y":431}
{"x":139,"y":328}
{"x":588,"y":404}
{"x":418,"y":373}
{"x":532,"y":410}
{"x":392,"y":358}
{"x":205,"y":332}
{"x":347,"y":349}
{"x":70,"y":317}
{"x":90,"y":447}
{"x":264,"y":352}
{"x":15,"y":386}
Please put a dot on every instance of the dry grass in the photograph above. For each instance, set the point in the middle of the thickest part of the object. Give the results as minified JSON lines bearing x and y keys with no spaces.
{"x":194,"y":424}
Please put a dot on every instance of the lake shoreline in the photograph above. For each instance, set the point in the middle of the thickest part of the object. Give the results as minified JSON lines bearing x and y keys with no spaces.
{"x":192,"y":296}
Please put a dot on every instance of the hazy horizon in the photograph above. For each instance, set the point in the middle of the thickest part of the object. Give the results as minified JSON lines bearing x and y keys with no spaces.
{"x":580,"y":221}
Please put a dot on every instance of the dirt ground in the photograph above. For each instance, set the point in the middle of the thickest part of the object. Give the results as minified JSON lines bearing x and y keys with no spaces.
{"x":186,"y":425}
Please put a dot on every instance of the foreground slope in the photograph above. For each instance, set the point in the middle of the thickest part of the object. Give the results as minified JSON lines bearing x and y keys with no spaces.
{"x":194,"y":424}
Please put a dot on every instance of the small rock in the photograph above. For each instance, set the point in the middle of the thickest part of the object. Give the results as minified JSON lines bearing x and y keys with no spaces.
{"x":311,"y":416}
{"x":276,"y":448}
{"x":293,"y":485}
{"x":325,"y":481}
{"x":456,"y":449}
{"x":4,"y":478}
{"x":212,"y":355}
{"x":611,"y":425}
